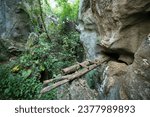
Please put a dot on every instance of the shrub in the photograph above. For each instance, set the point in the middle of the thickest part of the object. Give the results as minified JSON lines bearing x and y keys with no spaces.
{"x":17,"y":87}
{"x":42,"y":59}
{"x":91,"y":78}
{"x":20,"y":88}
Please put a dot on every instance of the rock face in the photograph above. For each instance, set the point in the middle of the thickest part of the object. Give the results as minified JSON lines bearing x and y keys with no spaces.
{"x":122,"y":24}
{"x":14,"y":28}
{"x":76,"y":90}
{"x":118,"y":29}
{"x":14,"y":22}
{"x":88,"y":29}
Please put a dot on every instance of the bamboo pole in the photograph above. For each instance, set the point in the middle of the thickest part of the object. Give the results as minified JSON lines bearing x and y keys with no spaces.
{"x":70,"y":69}
{"x":67,"y":78}
{"x":75,"y":67}
{"x":59,"y":78}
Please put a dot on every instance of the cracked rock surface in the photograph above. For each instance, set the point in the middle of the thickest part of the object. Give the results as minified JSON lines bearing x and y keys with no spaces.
{"x":119,"y":29}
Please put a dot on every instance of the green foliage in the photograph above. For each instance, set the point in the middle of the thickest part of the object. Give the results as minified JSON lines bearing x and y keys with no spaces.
{"x":3,"y":52}
{"x":42,"y":59}
{"x":40,"y":10}
{"x":21,"y":86}
{"x":49,"y":95}
{"x":37,"y":60}
{"x":67,"y":11}
{"x":3,"y":57}
{"x":90,"y":76}
{"x":37,"y":11}
{"x":21,"y":80}
{"x":17,"y":87}
{"x":68,"y":48}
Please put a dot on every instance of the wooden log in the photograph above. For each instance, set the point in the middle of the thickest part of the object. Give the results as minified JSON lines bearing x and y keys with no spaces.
{"x":71,"y":77}
{"x":75,"y":67}
{"x":71,"y":69}
{"x":58,"y":78}
{"x":49,"y":88}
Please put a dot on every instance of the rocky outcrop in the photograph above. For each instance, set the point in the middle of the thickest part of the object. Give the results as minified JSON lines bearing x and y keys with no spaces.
{"x":14,"y":21}
{"x":88,"y":29}
{"x":76,"y":90}
{"x":14,"y":28}
{"x":137,"y":79}
{"x":122,"y":24}
{"x":118,"y":29}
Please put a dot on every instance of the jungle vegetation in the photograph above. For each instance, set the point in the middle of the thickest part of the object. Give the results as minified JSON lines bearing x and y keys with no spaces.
{"x":52,"y":45}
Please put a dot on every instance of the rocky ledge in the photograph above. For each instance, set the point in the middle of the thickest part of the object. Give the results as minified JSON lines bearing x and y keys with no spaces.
{"x":119,"y":29}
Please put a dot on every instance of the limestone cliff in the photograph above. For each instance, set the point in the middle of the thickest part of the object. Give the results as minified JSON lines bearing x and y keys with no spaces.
{"x":14,"y":21}
{"x":14,"y":26}
{"x":119,"y":29}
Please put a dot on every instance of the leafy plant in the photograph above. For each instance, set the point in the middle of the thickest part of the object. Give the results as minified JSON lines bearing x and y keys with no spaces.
{"x":17,"y":87}
{"x":20,"y":87}
{"x":43,"y":59}
{"x":66,"y":10}
{"x":90,"y":76}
